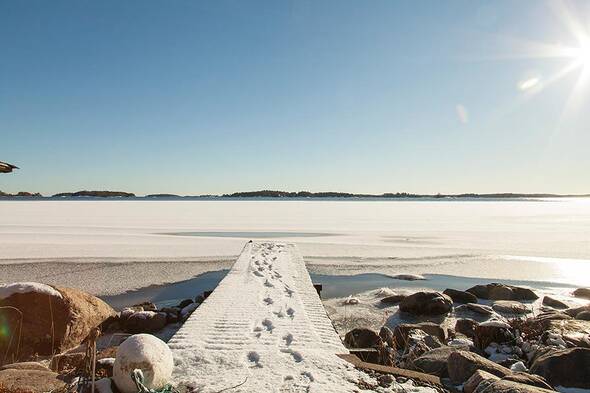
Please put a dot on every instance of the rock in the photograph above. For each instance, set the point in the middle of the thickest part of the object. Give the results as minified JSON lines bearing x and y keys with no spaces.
{"x":145,"y":352}
{"x":29,"y":381}
{"x":478,"y":377}
{"x":463,"y":364}
{"x":25,"y":366}
{"x":394,"y":299}
{"x":69,"y":313}
{"x":386,"y":336}
{"x":481,"y":309}
{"x":435,"y":361}
{"x":188,"y":310}
{"x":184,"y":303}
{"x":199,"y":299}
{"x":582,"y":292}
{"x":145,"y":306}
{"x":492,"y":331}
{"x":551,"y":302}
{"x":104,"y":367}
{"x":574,"y":331}
{"x":427,"y":303}
{"x":460,"y":296}
{"x":67,"y":362}
{"x":104,"y":385}
{"x":145,"y":322}
{"x":505,"y":386}
{"x":466,"y":326}
{"x":510,"y":307}
{"x":496,"y":291}
{"x":564,"y":367}
{"x":528,"y":379}
{"x":574,"y":311}
{"x":351,"y":300}
{"x":401,"y":331}
{"x":583,"y":316}
{"x":362,"y":338}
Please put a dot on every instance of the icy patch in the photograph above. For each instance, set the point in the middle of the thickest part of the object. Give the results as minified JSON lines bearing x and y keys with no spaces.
{"x":409,"y":277}
{"x":8,"y":290}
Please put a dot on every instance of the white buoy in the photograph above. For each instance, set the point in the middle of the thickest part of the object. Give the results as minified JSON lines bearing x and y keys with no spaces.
{"x":147,"y":353}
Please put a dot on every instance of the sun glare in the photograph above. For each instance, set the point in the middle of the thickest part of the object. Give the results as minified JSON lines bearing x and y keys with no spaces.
{"x":583,"y":55}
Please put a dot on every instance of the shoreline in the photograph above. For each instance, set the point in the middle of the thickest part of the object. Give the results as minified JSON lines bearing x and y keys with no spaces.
{"x":117,"y":276}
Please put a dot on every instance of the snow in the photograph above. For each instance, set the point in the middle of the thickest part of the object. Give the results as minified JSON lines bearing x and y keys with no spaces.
{"x":563,"y":389}
{"x":8,"y":290}
{"x":108,"y":247}
{"x":263,"y":333}
{"x":495,"y":323}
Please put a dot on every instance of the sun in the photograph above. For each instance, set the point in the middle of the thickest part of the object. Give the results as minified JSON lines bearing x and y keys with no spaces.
{"x":583,"y":55}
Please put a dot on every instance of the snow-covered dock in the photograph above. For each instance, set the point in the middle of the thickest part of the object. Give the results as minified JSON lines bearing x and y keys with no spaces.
{"x":263,"y":329}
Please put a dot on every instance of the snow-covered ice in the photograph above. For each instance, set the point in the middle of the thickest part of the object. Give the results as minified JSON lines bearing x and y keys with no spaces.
{"x":259,"y":337}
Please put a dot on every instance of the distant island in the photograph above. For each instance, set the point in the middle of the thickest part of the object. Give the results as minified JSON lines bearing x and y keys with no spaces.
{"x":22,"y":194}
{"x":95,"y":194}
{"x":271,"y":194}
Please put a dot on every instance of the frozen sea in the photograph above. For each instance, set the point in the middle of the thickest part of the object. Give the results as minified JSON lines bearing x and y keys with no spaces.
{"x":111,"y":246}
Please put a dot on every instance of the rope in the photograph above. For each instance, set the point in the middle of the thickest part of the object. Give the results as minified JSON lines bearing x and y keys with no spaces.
{"x":137,"y":378}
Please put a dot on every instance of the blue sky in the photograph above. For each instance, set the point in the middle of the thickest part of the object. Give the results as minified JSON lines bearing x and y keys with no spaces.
{"x":196,"y":97}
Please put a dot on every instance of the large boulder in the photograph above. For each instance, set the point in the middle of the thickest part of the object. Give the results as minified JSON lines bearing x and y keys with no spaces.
{"x":552,"y":302}
{"x":565,"y":367}
{"x":510,"y":307}
{"x":435,"y":361}
{"x":462,"y":365}
{"x":460,"y":296}
{"x":427,"y":303}
{"x":480,"y":309}
{"x":393,"y":299}
{"x":496,"y":291}
{"x":147,"y":353}
{"x":582,"y":292}
{"x":54,"y":319}
{"x":25,"y":366}
{"x":29,"y":381}
{"x":362,"y":338}
{"x":401,"y":331}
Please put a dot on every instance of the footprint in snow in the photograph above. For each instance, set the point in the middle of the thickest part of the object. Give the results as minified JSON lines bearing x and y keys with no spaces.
{"x":279,"y":314}
{"x":268,"y":301}
{"x":268,"y":284}
{"x":257,"y":273}
{"x":254,"y":357}
{"x":267,"y":323}
{"x":291,"y":312}
{"x":288,"y":338}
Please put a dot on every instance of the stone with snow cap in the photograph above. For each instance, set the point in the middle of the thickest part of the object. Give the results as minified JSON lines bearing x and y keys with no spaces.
{"x":148,"y":354}
{"x":54,"y":319}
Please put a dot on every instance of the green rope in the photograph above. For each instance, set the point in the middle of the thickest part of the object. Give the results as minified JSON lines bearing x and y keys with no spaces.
{"x":137,"y":378}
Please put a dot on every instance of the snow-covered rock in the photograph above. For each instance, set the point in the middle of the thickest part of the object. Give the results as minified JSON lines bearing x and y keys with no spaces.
{"x":8,"y":290}
{"x":188,"y":310}
{"x":147,"y":353}
{"x":351,"y":300}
